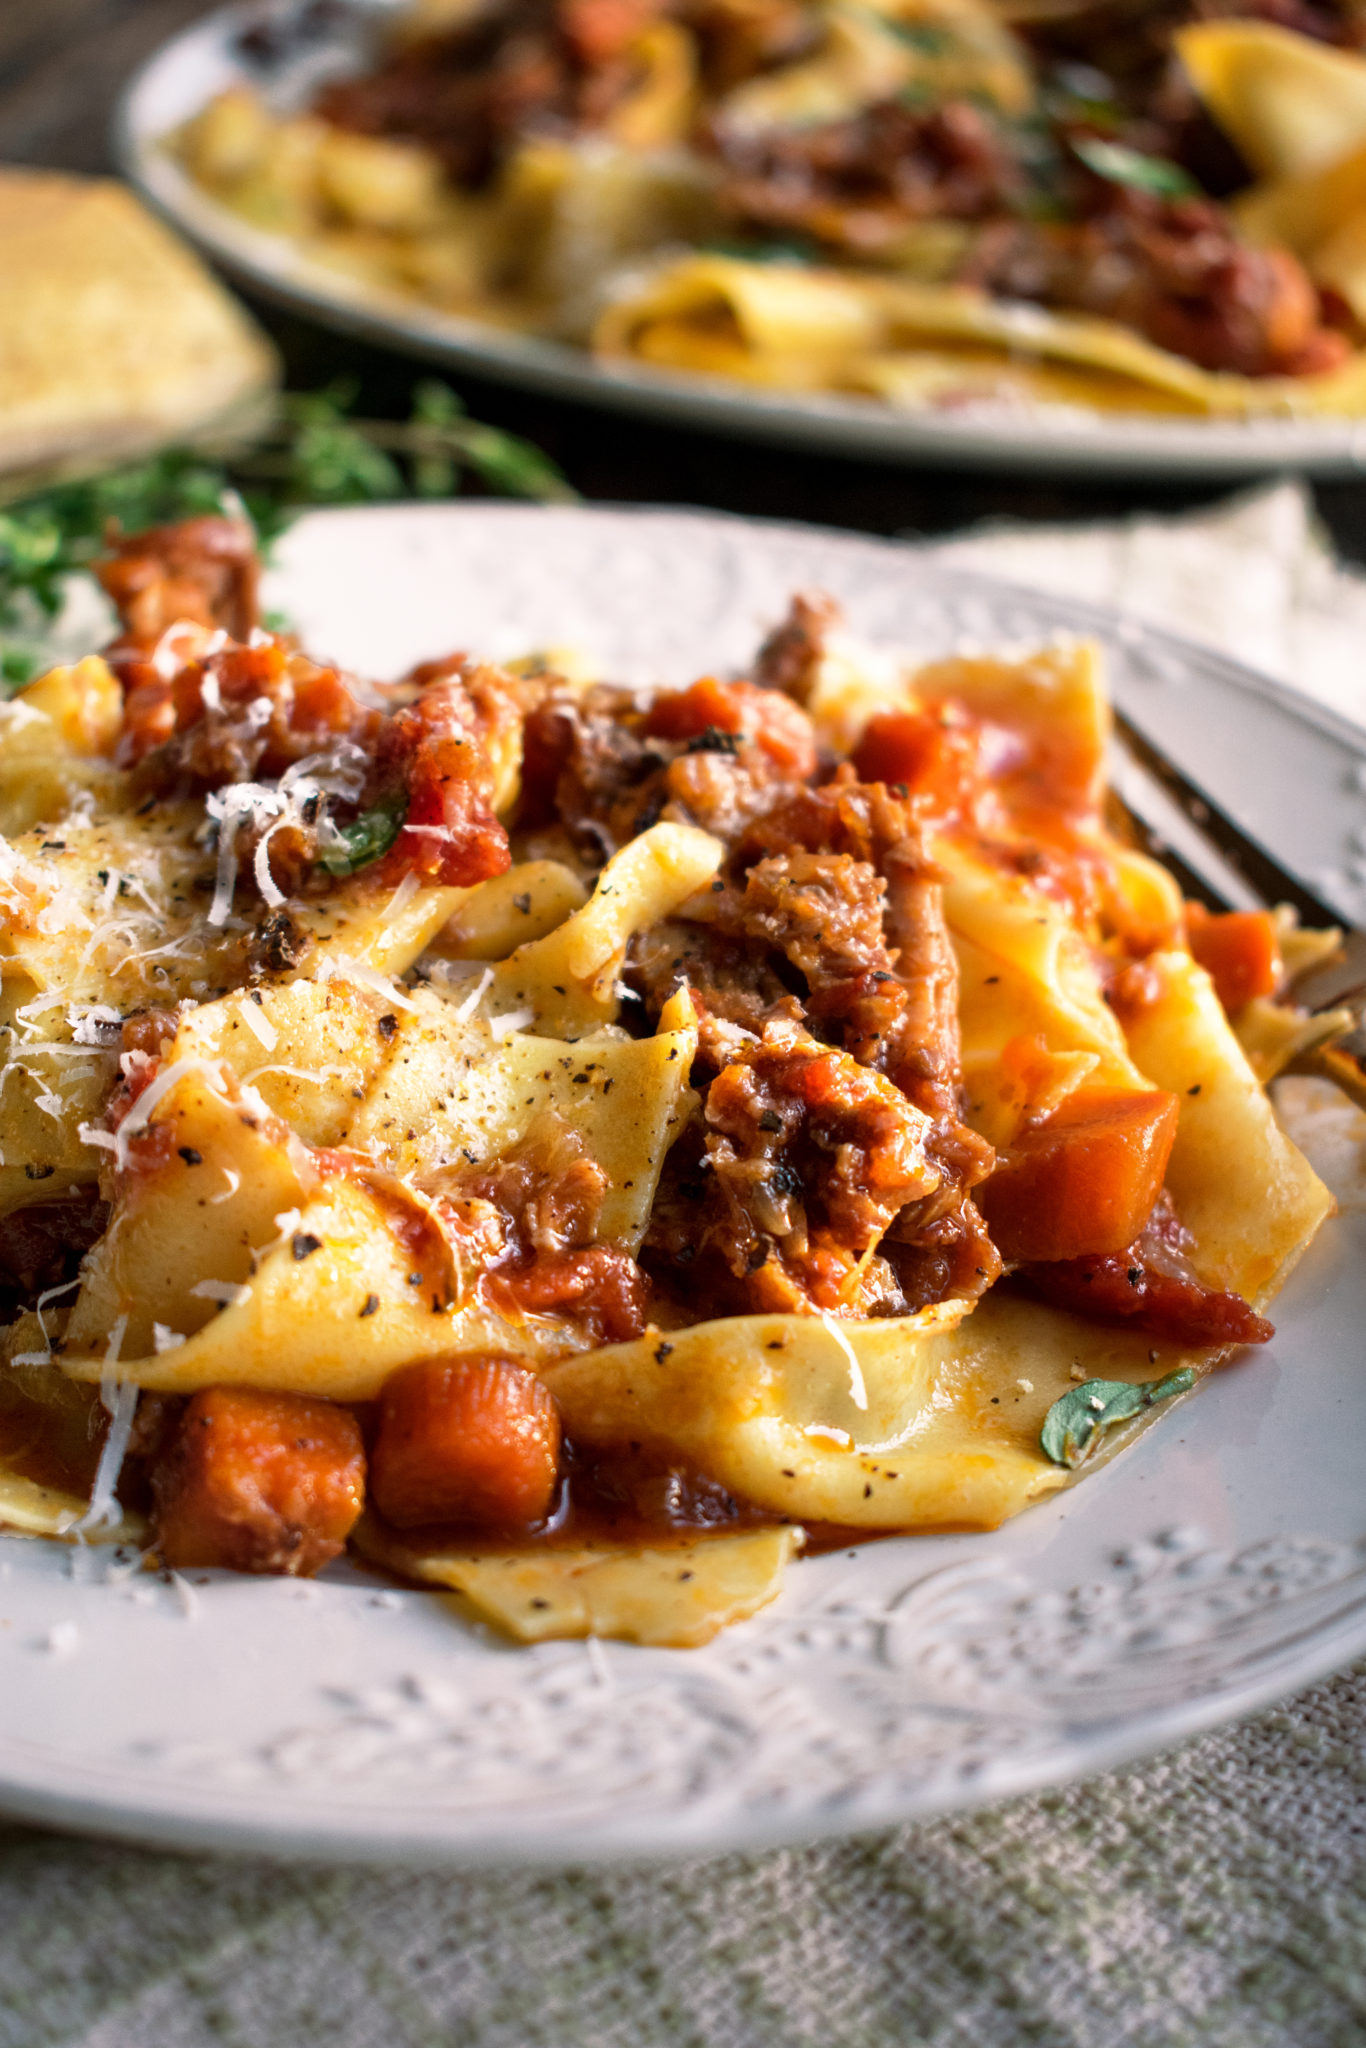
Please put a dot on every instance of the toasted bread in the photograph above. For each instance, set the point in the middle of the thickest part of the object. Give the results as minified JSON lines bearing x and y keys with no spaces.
{"x":113,"y":336}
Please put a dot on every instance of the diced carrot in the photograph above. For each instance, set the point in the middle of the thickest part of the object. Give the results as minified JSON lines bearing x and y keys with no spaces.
{"x":472,"y":1439}
{"x":1086,"y":1180}
{"x":1239,"y":950}
{"x":259,"y":1482}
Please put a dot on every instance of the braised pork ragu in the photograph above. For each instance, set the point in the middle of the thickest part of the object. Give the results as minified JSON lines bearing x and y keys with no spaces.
{"x":789,"y":659}
{"x":1174,"y":271}
{"x":824,"y":1162}
{"x":610,"y":763}
{"x":202,"y":571}
{"x":528,"y":1222}
{"x":556,"y":67}
{"x":858,"y":184}
{"x":41,"y":1247}
{"x":203,"y":717}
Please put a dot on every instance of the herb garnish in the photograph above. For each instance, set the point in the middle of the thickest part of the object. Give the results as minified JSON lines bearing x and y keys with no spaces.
{"x":1072,"y":1424}
{"x":368,"y":837}
{"x":310,"y":452}
{"x":1120,"y":165}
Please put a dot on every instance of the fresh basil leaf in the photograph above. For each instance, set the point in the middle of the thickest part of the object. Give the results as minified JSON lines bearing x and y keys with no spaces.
{"x":367,"y":839}
{"x":1074,"y":1422}
{"x":1120,"y":165}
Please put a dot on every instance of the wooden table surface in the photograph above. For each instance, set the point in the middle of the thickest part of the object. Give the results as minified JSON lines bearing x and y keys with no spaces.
{"x":62,"y":66}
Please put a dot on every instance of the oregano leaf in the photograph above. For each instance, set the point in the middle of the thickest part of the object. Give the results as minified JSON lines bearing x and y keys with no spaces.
{"x":1076,"y":1420}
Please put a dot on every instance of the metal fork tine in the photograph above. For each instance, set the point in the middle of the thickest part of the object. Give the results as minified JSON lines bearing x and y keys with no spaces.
{"x":1258,"y":868}
{"x":1127,"y":823}
{"x":1343,"y":1060}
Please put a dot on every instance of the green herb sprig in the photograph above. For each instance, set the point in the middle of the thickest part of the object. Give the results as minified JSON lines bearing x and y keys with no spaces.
{"x":1074,"y":1423}
{"x":1120,"y":165}
{"x":311,"y":451}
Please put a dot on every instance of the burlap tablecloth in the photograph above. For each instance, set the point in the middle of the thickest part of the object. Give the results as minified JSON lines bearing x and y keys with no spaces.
{"x":1212,"y":1896}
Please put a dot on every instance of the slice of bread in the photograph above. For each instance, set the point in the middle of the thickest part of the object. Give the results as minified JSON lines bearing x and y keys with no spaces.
{"x":114,"y":338}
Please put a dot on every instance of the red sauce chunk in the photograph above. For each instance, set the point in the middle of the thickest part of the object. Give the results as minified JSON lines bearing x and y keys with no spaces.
{"x":603,"y":1290}
{"x":259,"y":1482}
{"x":1121,"y":1287}
{"x":450,"y":834}
{"x":1150,"y":1285}
{"x":472,"y":1439}
{"x":1085,"y":1181}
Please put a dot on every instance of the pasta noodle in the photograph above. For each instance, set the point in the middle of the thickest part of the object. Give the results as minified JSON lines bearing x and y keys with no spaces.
{"x":608,"y":1137}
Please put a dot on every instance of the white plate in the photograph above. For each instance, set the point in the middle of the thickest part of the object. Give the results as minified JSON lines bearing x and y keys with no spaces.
{"x":204,"y":59}
{"x":1217,"y":1563}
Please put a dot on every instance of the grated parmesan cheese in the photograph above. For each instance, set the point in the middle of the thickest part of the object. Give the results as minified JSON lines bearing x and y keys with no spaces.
{"x":120,"y":1399}
{"x":512,"y":1020}
{"x":465,"y":1010}
{"x":67,"y":1287}
{"x":340,"y":967}
{"x":400,"y":899}
{"x":186,"y":1597}
{"x":858,"y":1392}
{"x":227,"y":1293}
{"x":259,"y":1025}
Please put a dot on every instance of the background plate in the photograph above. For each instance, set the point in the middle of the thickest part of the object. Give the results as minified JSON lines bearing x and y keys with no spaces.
{"x":310,"y":41}
{"x":1218,"y":1562}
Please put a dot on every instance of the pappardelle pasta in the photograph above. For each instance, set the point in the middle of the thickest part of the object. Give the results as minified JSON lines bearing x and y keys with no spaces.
{"x":932,"y":203}
{"x":576,"y":1144}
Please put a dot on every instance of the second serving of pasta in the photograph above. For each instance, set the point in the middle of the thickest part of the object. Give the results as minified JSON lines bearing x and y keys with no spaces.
{"x":1076,"y":204}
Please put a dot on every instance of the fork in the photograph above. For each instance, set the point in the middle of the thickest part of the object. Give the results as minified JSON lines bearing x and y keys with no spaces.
{"x":1325,"y":991}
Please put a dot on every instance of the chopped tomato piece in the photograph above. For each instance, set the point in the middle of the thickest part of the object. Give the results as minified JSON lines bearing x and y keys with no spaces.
{"x":259,"y":1482}
{"x":473,"y":1439}
{"x":1086,"y":1180}
{"x":1240,"y":950}
{"x":450,"y":834}
{"x":712,"y":712}
{"x":934,"y":753}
